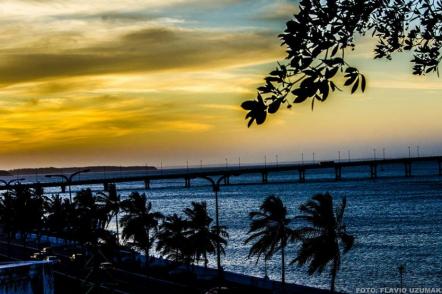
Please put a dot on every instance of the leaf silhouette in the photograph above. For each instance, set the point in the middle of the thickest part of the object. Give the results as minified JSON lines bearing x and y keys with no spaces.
{"x":321,"y":30}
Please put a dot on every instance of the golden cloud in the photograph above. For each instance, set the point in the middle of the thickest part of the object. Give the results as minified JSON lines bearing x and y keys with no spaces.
{"x":147,"y":50}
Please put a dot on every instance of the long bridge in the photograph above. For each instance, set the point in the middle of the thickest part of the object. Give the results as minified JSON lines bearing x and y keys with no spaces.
{"x":224,"y":173}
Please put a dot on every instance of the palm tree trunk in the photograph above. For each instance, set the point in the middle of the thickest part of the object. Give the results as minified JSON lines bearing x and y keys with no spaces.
{"x":9,"y":242}
{"x":146,"y":251}
{"x":118,"y":229}
{"x":333,"y":275}
{"x":283,"y":264}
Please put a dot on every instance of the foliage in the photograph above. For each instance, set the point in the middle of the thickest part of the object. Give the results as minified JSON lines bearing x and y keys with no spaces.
{"x":57,"y":216}
{"x":188,"y":239}
{"x":323,"y":235}
{"x":172,"y":240}
{"x":110,"y":204}
{"x":322,"y":31}
{"x":8,"y":214}
{"x":28,"y":204}
{"x":203,"y":238}
{"x":270,"y":231}
{"x":140,"y":224}
{"x":88,"y":220}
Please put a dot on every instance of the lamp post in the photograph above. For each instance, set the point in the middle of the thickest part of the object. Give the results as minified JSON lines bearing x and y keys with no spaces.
{"x":68,"y":179}
{"x":216,"y":188}
{"x":7,"y":184}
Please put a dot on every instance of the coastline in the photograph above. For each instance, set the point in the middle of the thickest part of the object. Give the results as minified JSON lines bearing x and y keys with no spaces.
{"x":203,"y":275}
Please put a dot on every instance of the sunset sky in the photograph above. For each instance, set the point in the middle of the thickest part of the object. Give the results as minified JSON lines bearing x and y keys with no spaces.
{"x":133,"y":82}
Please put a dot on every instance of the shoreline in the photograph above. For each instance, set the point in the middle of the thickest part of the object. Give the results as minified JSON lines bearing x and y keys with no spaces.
{"x":202,"y":274}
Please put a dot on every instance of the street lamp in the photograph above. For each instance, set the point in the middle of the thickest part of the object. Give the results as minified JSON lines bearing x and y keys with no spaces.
{"x":216,"y":188}
{"x":7,"y":184}
{"x":68,"y":179}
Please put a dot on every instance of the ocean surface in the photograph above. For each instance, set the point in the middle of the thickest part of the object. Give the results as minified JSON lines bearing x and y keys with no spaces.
{"x":395,"y":220}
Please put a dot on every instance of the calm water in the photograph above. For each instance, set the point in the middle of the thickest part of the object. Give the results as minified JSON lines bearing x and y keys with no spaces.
{"x":395,"y":221}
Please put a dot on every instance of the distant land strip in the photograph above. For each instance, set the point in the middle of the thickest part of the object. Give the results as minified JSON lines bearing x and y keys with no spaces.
{"x":53,"y":170}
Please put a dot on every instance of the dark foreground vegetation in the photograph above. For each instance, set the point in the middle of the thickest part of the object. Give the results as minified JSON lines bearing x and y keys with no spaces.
{"x":91,"y":257}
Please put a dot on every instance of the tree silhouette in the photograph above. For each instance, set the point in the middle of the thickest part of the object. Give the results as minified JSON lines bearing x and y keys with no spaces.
{"x":56,"y":221}
{"x":270,"y":231}
{"x":29,"y":211}
{"x":172,"y":240}
{"x":323,"y":235}
{"x":139,"y":223}
{"x":203,"y":238}
{"x":87,"y":219}
{"x":8,"y":215}
{"x":111,"y":205}
{"x":318,"y":36}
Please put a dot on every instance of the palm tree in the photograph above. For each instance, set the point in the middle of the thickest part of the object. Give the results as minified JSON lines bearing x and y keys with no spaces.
{"x":8,"y":215}
{"x":87,"y":218}
{"x":111,"y":203}
{"x":29,"y":204}
{"x":323,"y":235}
{"x":270,"y":231}
{"x":140,"y":224}
{"x":204,"y":238}
{"x":172,"y":240}
{"x":56,"y":216}
{"x":69,"y":231}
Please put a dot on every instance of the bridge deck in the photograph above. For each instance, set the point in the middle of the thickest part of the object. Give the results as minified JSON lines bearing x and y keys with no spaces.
{"x":192,"y":173}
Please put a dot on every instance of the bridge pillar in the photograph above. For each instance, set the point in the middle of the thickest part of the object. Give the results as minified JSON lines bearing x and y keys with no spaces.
{"x":186,"y":182}
{"x":106,"y":187}
{"x":338,"y":173}
{"x":227,"y":180}
{"x":373,"y":171}
{"x":265,"y":178}
{"x":301,"y":175}
{"x":147,"y":184}
{"x":63,"y":188}
{"x":407,"y":166}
